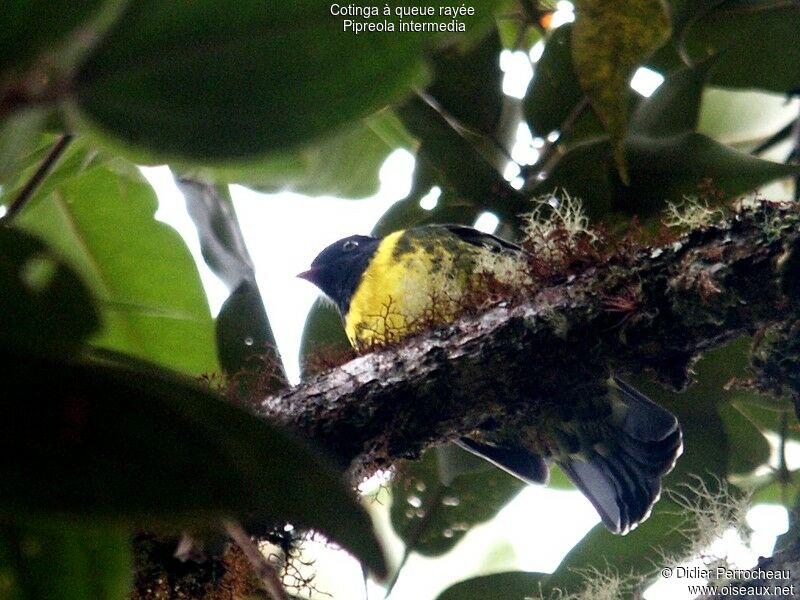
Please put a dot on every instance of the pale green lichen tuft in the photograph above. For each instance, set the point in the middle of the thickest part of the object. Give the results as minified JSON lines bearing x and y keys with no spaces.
{"x":556,"y":225}
{"x":691,"y":213}
{"x":709,"y":510}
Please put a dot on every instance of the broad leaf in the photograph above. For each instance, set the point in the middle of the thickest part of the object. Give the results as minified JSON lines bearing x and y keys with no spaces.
{"x":242,"y":326}
{"x":468,"y":84}
{"x":431,"y":510}
{"x":661,"y":169}
{"x":674,"y":107}
{"x":19,"y":135}
{"x":753,"y":450}
{"x":324,"y":343}
{"x":344,"y":164}
{"x":750,"y":35}
{"x":458,"y":163}
{"x":59,"y":559}
{"x":33,"y":27}
{"x":130,"y":442}
{"x":45,"y":307}
{"x":609,"y":40}
{"x":512,"y":585}
{"x":409,"y":213}
{"x":555,"y":90}
{"x":140,"y":271}
{"x":685,"y":12}
{"x":203,"y":80}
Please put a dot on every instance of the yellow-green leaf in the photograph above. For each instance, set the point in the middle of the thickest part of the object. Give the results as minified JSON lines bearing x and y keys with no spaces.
{"x":609,"y":40}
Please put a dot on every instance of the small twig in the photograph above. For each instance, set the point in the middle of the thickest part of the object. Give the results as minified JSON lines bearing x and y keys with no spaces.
{"x":549,"y":155}
{"x":26,"y":193}
{"x":263,"y":570}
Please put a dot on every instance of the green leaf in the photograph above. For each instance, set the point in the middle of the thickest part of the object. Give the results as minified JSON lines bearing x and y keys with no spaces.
{"x":77,"y":158}
{"x":243,"y":332}
{"x":609,"y":40}
{"x":684,"y":12}
{"x":141,"y":273}
{"x":323,"y":337}
{"x":779,"y":490}
{"x":203,"y":81}
{"x":44,"y":307}
{"x":221,"y":241}
{"x":344,"y":164}
{"x":661,"y":170}
{"x":512,"y":585}
{"x":458,"y":163}
{"x":408,"y":212}
{"x":130,"y":442}
{"x":31,"y":27}
{"x":555,"y":90}
{"x":18,"y":138}
{"x":753,"y":450}
{"x":745,"y":119}
{"x":683,"y":161}
{"x":675,"y":106}
{"x":468,"y":84}
{"x":431,"y":516}
{"x":64,"y":560}
{"x":750,"y":34}
{"x":242,"y":326}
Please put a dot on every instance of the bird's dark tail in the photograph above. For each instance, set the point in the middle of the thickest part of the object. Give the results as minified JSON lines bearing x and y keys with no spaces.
{"x":620,"y":473}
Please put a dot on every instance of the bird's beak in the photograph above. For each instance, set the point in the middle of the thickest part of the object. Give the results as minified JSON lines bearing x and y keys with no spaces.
{"x":308,"y":275}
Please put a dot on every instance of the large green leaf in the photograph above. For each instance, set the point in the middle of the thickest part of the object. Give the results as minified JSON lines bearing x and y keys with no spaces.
{"x":76,"y":158}
{"x":458,"y":163}
{"x":31,"y":27}
{"x":59,"y":559}
{"x":242,"y":326}
{"x":323,"y":338}
{"x":684,"y":12}
{"x":751,"y":35}
{"x":513,"y":585}
{"x":18,"y":139}
{"x":674,"y":107}
{"x":468,"y":84}
{"x":555,"y":90}
{"x":140,"y":271}
{"x":211,"y":81}
{"x":661,"y":170}
{"x":753,"y":450}
{"x":409,"y":213}
{"x":44,"y":307}
{"x":344,"y":164}
{"x":609,"y":40}
{"x":127,"y":441}
{"x":432,"y":510}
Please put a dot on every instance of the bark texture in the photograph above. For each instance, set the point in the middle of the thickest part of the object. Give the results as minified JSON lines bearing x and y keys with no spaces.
{"x":653,"y":309}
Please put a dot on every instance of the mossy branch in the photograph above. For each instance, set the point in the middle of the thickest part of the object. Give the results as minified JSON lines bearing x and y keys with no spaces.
{"x":653,"y":309}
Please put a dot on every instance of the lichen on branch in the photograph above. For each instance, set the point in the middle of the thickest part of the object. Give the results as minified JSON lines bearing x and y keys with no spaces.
{"x":637,"y":309}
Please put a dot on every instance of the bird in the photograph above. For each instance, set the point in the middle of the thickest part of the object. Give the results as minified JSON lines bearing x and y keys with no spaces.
{"x":615,"y":447}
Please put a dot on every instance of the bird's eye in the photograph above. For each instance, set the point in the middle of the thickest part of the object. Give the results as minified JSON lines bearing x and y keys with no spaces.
{"x":349,"y":245}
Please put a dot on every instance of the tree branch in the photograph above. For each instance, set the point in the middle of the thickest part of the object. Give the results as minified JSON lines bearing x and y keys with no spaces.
{"x":503,"y":367}
{"x":44,"y":168}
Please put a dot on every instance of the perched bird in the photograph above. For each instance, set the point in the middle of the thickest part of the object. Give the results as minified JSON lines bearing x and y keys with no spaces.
{"x":615,"y":446}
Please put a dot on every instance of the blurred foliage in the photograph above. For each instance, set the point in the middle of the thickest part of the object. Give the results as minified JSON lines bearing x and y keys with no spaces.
{"x":102,"y":304}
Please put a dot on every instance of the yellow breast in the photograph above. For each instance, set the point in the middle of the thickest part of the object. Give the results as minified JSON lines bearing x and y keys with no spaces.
{"x":403,"y":291}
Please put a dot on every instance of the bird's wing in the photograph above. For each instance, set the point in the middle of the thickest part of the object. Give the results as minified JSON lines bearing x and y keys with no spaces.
{"x":481,"y":239}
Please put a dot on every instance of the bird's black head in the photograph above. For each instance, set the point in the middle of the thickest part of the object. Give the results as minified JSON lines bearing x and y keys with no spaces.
{"x":337,"y":270}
